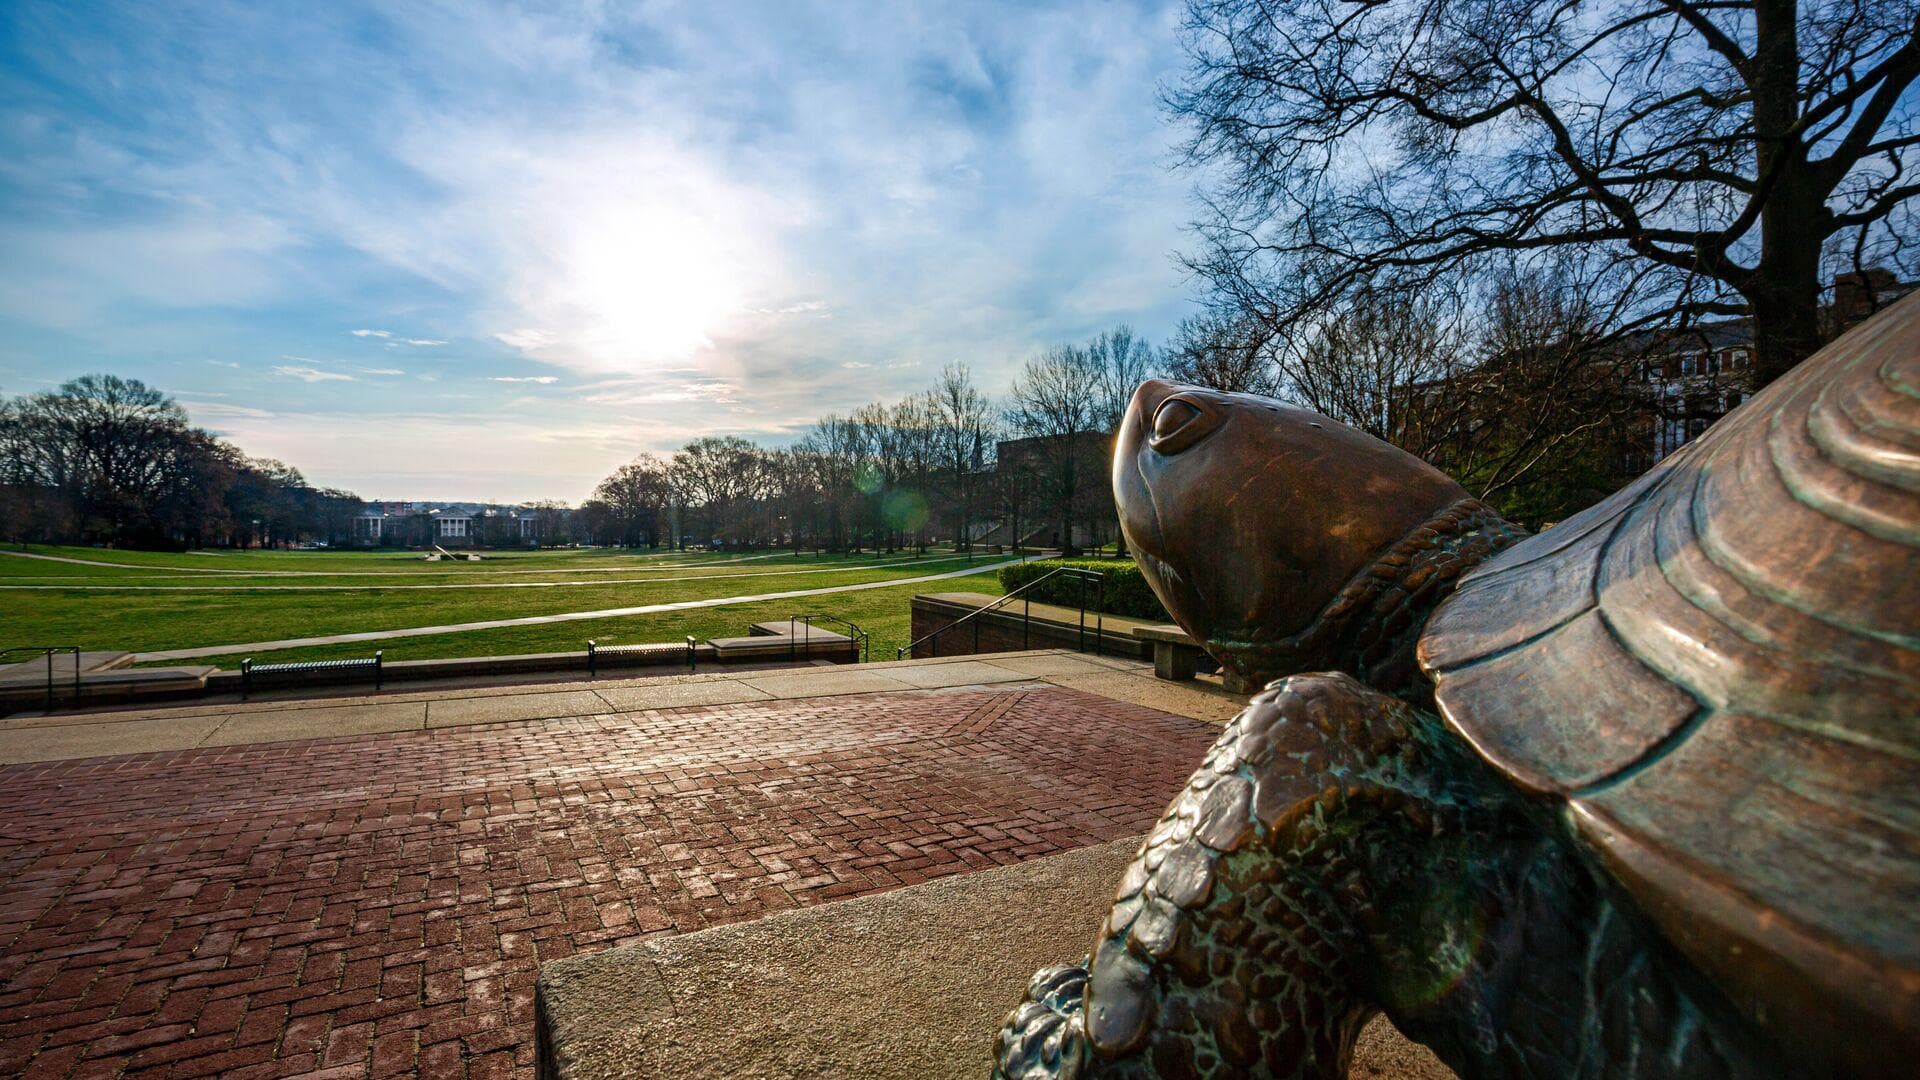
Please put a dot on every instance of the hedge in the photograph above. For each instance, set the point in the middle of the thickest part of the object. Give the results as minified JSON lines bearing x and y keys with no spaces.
{"x":1123,"y":590}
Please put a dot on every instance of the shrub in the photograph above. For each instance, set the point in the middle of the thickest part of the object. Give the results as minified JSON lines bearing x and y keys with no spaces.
{"x":1123,"y":590}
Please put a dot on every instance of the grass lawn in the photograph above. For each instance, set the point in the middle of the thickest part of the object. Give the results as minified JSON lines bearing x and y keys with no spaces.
{"x":883,"y":613}
{"x":281,"y":595}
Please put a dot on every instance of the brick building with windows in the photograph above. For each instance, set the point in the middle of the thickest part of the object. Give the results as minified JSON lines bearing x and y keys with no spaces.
{"x":1700,"y":374}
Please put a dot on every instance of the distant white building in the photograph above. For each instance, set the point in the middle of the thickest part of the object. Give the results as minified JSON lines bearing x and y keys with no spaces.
{"x":449,"y":525}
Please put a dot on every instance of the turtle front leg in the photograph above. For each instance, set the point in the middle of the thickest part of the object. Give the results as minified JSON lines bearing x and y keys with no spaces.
{"x":1238,"y":943}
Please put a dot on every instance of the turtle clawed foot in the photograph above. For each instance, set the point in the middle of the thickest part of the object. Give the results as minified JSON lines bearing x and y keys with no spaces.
{"x":1045,"y":1037}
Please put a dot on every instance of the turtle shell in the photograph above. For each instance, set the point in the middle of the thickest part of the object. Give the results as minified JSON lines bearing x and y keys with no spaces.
{"x":1717,"y":670}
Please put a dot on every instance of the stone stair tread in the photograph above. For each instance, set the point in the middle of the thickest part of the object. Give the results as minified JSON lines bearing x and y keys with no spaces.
{"x":782,"y":628}
{"x":775,"y":644}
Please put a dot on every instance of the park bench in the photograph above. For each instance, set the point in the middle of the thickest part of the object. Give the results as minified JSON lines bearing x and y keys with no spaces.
{"x":250,"y":671}
{"x":598,"y":654}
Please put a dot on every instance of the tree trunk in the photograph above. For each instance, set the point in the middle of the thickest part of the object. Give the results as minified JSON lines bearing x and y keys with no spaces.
{"x":1785,"y":293}
{"x":1784,"y":289}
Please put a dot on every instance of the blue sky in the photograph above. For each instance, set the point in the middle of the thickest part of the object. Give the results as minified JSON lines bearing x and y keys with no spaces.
{"x":491,"y":252}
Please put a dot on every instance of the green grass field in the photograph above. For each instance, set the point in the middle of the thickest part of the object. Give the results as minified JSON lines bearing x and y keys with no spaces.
{"x":147,"y":601}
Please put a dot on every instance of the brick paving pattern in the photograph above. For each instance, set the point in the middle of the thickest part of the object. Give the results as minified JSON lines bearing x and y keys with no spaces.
{"x":378,"y":905}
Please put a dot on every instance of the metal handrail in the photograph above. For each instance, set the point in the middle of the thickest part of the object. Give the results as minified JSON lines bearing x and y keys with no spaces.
{"x":860,"y":637}
{"x":1027,"y":614}
{"x":49,"y":651}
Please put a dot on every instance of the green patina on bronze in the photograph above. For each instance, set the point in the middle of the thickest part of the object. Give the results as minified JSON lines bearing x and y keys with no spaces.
{"x":1637,"y":797}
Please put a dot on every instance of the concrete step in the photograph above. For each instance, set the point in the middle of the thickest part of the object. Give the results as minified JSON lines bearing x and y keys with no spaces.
{"x":784,"y":628}
{"x":780,"y":647}
{"x":36,"y":668}
{"x":115,"y":685}
{"x":897,"y":985}
{"x":155,"y":677}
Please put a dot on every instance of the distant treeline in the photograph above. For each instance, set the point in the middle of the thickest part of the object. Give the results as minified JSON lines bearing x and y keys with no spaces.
{"x":109,"y":460}
{"x":948,"y":464}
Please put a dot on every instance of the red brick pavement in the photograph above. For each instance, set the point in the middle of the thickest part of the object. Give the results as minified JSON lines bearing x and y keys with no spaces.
{"x":378,"y":905}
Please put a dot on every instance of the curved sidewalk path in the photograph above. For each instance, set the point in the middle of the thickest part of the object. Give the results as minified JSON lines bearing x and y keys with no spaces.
{"x":535,"y":620}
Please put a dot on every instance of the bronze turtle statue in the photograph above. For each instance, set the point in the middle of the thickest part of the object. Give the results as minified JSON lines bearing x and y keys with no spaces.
{"x":1635,"y":797}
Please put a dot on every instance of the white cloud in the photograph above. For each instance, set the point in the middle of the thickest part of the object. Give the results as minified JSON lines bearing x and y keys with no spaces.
{"x":660,"y":393}
{"x":526,"y":339}
{"x":805,"y":308}
{"x":312,"y":375}
{"x":394,"y":342}
{"x":222,"y":411}
{"x":541,"y":379}
{"x":380,"y":371}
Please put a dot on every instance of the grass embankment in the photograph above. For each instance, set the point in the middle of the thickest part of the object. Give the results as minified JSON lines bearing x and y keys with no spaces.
{"x":359,"y":592}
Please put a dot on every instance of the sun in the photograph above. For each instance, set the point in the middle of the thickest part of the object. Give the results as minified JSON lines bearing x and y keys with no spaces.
{"x":647,"y":284}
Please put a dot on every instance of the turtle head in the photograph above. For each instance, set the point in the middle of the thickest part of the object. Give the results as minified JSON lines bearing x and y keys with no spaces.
{"x":1249,"y":516}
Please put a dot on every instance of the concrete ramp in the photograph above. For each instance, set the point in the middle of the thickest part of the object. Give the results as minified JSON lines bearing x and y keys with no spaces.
{"x":901,"y":985}
{"x":36,"y":669}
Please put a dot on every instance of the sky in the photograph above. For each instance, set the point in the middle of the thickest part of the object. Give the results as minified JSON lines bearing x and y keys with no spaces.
{"x":491,"y":252}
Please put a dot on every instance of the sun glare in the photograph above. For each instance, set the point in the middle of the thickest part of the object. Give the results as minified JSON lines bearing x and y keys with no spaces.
{"x":646,"y":285}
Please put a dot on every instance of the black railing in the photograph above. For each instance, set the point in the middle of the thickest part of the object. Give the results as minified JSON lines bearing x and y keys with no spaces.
{"x":49,"y":651}
{"x":1026,"y":615}
{"x":794,"y":622}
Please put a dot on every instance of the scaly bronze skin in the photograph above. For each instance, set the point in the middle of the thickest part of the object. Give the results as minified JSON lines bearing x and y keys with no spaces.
{"x":1341,"y":852}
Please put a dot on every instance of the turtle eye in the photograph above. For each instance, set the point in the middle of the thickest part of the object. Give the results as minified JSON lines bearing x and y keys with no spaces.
{"x":1178,"y":423}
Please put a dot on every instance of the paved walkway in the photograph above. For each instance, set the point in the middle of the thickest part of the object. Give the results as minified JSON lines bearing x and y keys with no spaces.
{"x":570,"y":616}
{"x":377,"y":905}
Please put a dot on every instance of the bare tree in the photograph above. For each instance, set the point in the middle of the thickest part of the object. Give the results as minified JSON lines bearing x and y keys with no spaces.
{"x":1121,"y":361}
{"x":837,"y":452}
{"x":914,"y":420}
{"x":1054,"y":402}
{"x":713,"y":473}
{"x":1544,"y":417}
{"x":1224,"y":351}
{"x":637,"y":498}
{"x":123,"y":464}
{"x":964,"y":437}
{"x":1359,"y":364}
{"x":1708,"y":153}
